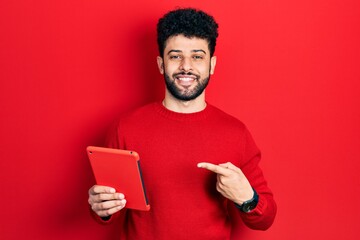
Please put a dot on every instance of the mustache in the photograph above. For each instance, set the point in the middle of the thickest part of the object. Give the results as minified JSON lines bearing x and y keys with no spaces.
{"x":186,"y":73}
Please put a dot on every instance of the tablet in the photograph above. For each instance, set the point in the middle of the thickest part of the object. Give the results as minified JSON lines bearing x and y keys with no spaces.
{"x":121,"y":170}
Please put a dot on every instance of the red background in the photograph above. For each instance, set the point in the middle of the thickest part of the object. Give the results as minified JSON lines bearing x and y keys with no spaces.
{"x":289,"y":69}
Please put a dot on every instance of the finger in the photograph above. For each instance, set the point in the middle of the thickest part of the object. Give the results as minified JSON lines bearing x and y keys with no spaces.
{"x":109,"y":212}
{"x":222,"y":182}
{"x":108,"y":205}
{"x":221,"y":179}
{"x":96,"y":189}
{"x":106,"y":196}
{"x":231,"y":166}
{"x":219,"y":188}
{"x":214,"y":168}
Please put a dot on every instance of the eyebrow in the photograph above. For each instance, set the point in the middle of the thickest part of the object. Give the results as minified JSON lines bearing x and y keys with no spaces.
{"x":179,"y":51}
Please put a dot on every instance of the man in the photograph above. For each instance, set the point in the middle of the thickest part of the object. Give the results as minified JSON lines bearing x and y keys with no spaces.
{"x":200,"y":165}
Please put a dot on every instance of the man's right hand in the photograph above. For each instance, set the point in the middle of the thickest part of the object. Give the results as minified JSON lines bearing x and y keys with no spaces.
{"x":105,"y":201}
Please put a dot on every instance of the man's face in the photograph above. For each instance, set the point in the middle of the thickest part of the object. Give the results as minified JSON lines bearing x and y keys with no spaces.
{"x":186,"y":66}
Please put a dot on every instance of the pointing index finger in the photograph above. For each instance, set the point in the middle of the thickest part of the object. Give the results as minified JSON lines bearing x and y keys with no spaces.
{"x":214,"y":168}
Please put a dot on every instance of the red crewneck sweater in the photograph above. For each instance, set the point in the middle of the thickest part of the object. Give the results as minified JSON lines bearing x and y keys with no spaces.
{"x":183,"y":198}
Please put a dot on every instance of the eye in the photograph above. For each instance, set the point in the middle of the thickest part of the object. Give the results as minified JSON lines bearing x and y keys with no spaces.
{"x":198,"y":57}
{"x":175,"y":57}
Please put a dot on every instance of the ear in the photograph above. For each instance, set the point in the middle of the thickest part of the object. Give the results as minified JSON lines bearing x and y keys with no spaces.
{"x":160,"y":63}
{"x":212,"y":64}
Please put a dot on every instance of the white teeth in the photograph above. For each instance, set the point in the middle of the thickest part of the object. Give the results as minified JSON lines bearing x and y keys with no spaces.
{"x":186,"y":79}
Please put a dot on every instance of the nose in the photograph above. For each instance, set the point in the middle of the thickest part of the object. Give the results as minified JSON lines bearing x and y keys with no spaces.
{"x":186,"y":64}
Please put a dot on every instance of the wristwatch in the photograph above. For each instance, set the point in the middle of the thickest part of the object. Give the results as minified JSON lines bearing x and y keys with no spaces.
{"x":249,"y":205}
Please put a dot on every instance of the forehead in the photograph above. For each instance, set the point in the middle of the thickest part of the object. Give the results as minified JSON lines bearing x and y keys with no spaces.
{"x":182,"y":43}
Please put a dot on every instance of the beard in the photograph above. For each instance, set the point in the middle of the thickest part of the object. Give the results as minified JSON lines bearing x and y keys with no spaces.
{"x":187,"y":94}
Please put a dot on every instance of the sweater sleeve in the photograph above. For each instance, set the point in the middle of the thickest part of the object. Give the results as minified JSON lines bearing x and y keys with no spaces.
{"x":262,"y":217}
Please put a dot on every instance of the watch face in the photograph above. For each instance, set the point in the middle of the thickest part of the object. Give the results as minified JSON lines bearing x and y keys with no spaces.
{"x":249,"y":206}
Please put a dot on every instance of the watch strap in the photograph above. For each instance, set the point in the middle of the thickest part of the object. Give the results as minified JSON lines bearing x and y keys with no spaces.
{"x":249,"y":205}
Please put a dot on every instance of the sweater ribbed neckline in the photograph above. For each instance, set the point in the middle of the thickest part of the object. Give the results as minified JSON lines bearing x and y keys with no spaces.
{"x":196,"y":116}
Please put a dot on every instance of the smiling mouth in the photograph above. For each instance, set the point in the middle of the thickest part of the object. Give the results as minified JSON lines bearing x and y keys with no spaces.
{"x":185,"y":79}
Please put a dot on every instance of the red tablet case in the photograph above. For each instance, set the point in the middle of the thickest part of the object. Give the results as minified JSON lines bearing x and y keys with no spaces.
{"x":121,"y":170}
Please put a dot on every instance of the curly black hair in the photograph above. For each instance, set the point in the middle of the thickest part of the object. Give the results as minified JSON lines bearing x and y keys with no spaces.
{"x":189,"y":22}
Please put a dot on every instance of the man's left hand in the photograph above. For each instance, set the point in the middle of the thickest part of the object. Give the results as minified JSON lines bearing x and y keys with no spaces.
{"x":231,"y":181}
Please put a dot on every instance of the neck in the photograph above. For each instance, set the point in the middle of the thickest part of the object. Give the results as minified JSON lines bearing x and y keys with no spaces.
{"x":196,"y":105}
